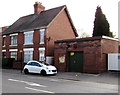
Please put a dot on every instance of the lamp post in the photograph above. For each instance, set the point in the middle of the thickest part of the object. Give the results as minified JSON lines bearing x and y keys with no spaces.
{"x":21,"y":60}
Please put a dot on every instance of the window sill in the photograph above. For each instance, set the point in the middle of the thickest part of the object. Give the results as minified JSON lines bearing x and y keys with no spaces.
{"x":42,"y":43}
{"x":12,"y":45}
{"x":29,"y":44}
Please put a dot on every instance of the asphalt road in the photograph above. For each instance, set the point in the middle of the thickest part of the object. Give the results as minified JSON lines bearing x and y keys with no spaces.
{"x":21,"y":83}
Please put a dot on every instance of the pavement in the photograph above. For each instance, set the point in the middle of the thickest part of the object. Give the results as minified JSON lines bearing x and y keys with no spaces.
{"x":110,"y":77}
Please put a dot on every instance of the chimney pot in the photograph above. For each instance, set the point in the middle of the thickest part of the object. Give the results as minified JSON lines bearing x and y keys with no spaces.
{"x":38,"y":7}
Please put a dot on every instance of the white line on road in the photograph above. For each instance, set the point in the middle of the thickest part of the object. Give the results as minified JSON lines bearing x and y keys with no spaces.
{"x":28,"y":83}
{"x":39,"y":90}
{"x":54,"y":80}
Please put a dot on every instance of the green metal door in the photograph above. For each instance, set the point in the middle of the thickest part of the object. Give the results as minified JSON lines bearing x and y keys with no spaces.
{"x":76,"y":61}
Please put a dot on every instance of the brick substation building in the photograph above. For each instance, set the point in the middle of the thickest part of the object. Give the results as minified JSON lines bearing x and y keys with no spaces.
{"x":87,"y":55}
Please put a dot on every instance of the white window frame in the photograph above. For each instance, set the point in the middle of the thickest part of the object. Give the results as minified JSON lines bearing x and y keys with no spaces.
{"x":15,"y":51}
{"x":41,"y":56}
{"x":11,"y":35}
{"x":42,"y":36}
{"x":28,"y":36}
{"x":3,"y":50}
{"x":4,"y":41}
{"x":28,"y":51}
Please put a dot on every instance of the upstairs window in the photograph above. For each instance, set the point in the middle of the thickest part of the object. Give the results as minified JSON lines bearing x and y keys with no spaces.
{"x":28,"y":37}
{"x":42,"y":36}
{"x":13,"y":39}
{"x":3,"y":41}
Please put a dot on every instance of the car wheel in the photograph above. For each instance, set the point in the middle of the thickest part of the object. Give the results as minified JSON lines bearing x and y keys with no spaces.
{"x":43,"y":72}
{"x":26,"y":71}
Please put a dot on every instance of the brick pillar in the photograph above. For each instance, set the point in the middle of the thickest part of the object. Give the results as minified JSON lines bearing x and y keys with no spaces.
{"x":20,"y":45}
{"x":7,"y":46}
{"x":36,"y":54}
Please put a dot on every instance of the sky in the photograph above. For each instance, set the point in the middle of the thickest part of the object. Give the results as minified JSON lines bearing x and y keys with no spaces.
{"x":82,"y":12}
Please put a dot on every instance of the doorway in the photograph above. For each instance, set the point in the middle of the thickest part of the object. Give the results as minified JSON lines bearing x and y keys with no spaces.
{"x":75,"y":62}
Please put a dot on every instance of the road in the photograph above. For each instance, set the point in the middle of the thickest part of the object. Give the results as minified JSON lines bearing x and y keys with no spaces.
{"x":21,"y":83}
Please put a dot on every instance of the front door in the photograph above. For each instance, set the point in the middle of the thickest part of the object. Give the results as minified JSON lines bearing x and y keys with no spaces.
{"x":75,"y":62}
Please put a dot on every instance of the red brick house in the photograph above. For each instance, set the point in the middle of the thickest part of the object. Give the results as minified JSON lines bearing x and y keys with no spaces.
{"x":1,"y":30}
{"x":34,"y":34}
{"x":84,"y":54}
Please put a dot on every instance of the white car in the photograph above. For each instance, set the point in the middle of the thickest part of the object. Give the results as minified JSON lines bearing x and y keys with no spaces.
{"x":39,"y":67}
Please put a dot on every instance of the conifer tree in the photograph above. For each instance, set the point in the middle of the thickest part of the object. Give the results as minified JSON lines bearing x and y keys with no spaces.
{"x":101,"y":25}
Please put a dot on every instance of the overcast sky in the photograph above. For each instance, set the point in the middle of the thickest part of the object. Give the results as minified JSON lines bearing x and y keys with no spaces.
{"x":82,"y":12}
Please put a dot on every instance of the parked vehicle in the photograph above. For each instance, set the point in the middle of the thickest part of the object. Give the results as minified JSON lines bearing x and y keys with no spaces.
{"x":39,"y":67}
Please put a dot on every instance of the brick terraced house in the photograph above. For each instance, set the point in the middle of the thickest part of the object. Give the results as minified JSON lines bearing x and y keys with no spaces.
{"x":34,"y":34}
{"x":1,"y":40}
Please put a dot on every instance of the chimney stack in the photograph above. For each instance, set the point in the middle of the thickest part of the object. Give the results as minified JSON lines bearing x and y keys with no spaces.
{"x":38,"y":7}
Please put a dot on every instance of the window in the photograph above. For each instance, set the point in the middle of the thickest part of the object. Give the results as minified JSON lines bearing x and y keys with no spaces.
{"x":13,"y":40}
{"x":13,"y":54}
{"x":41,"y":54}
{"x":34,"y":64}
{"x":3,"y":54}
{"x":3,"y":42}
{"x":42,"y":34}
{"x":28,"y":54}
{"x":28,"y":37}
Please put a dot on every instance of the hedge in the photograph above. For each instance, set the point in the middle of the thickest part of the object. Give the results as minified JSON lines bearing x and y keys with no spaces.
{"x":7,"y":62}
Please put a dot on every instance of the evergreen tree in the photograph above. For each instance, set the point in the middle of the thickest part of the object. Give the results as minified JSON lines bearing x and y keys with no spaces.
{"x":101,"y":25}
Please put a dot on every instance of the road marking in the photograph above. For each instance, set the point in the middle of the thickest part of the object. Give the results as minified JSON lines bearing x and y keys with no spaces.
{"x":28,"y":83}
{"x":89,"y":82}
{"x":39,"y":90}
{"x":54,"y":80}
{"x":104,"y":84}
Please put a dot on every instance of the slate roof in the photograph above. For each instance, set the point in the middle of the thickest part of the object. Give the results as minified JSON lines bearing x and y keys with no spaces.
{"x":31,"y":22}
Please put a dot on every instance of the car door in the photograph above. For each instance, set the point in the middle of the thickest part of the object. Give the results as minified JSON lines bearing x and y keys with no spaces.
{"x":29,"y":67}
{"x":36,"y":67}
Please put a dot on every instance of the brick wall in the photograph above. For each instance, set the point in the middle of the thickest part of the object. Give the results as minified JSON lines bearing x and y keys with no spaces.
{"x":59,"y":29}
{"x":21,"y":46}
{"x":108,"y":46}
{"x":94,"y":53}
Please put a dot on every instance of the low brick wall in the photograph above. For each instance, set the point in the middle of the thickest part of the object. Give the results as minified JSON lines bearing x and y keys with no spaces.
{"x":17,"y":65}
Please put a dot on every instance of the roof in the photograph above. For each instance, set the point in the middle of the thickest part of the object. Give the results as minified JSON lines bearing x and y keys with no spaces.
{"x":31,"y":22}
{"x":85,"y":39}
{"x":78,"y":40}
